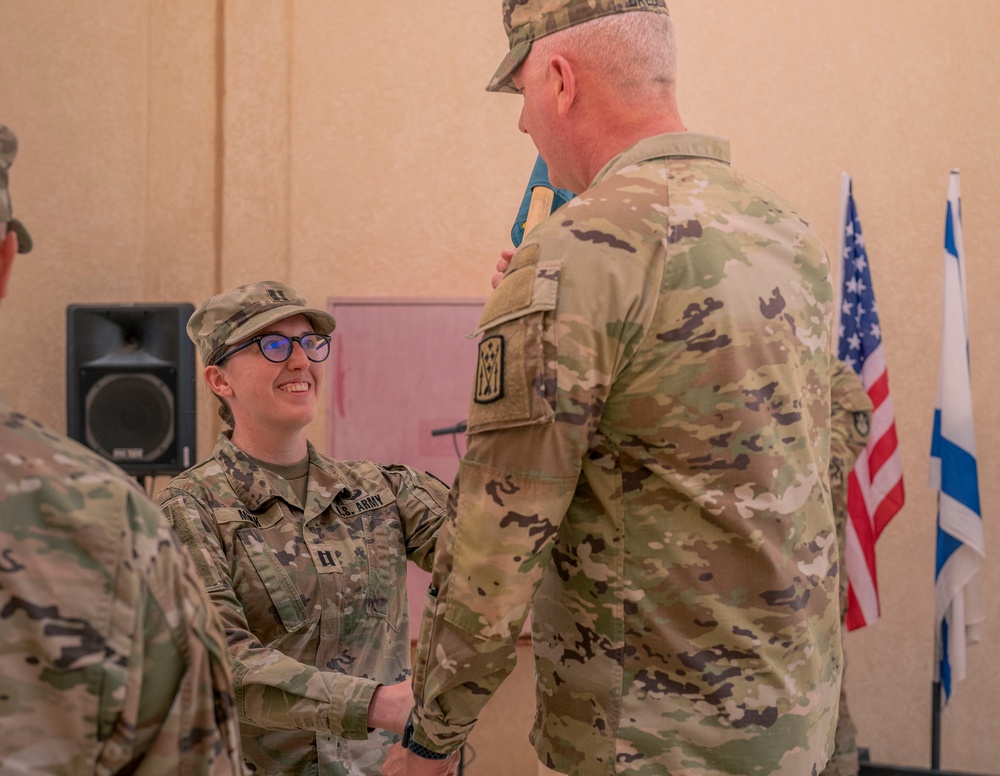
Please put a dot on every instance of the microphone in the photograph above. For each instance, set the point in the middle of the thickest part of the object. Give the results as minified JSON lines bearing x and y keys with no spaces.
{"x":458,"y":428}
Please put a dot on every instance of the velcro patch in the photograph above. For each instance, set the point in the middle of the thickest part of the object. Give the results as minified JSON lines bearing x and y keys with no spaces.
{"x":514,"y":294}
{"x":489,"y":370}
{"x":325,"y":558}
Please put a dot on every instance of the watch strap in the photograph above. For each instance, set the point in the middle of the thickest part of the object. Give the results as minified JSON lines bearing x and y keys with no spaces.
{"x":418,"y":749}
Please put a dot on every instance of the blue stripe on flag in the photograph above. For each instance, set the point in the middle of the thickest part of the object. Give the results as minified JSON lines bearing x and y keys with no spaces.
{"x":944,"y":668}
{"x":949,"y":234}
{"x":946,"y":546}
{"x":959,"y":478}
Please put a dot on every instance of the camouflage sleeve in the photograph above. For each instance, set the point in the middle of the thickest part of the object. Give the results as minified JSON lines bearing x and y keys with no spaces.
{"x":272,"y":690}
{"x":422,"y":500}
{"x":111,"y":660}
{"x":851,"y":410}
{"x":541,"y":382}
{"x":177,"y":684}
{"x":850,"y":423}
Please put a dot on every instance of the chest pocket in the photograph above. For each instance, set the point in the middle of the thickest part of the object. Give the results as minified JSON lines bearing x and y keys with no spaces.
{"x":272,"y":588}
{"x":374,"y":518}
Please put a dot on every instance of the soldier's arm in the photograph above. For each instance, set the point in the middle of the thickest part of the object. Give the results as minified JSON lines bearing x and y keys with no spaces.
{"x":422,"y":501}
{"x":178,"y":714}
{"x":274,"y":691}
{"x":529,"y":430}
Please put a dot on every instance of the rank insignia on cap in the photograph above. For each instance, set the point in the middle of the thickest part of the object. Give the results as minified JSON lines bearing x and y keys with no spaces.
{"x":489,"y":370}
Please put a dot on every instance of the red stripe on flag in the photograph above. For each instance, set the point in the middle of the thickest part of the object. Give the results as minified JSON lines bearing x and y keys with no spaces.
{"x":881,"y":450}
{"x":857,"y":512}
{"x":854,"y":618}
{"x":878,"y":391}
{"x":888,"y":507}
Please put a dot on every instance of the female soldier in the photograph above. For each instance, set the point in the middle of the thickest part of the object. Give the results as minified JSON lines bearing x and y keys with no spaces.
{"x":304,"y":556}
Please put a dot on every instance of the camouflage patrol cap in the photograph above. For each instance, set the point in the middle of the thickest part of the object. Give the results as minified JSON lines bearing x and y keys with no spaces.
{"x":528,"y":20}
{"x":241,"y":312}
{"x":8,"y":150}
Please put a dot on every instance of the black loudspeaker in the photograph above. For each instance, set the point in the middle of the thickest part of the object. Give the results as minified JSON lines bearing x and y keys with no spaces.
{"x":130,"y":385}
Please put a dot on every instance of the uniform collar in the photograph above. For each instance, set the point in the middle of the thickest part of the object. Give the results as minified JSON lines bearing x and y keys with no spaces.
{"x":668,"y":145}
{"x":256,"y":487}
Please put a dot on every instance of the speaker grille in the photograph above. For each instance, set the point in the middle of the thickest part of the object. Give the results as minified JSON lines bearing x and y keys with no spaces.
{"x":130,"y":417}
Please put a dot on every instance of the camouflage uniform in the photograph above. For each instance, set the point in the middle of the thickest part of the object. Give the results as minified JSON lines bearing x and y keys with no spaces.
{"x":8,"y":152}
{"x":647,"y":464}
{"x":851,"y":422}
{"x":111,"y":658}
{"x":313,"y":601}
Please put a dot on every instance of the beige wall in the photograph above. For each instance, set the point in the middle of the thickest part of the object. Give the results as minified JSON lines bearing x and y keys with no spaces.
{"x":172,"y":148}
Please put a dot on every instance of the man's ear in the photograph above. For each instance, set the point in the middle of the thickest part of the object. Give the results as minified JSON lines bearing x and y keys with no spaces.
{"x":217,"y":381}
{"x":563,"y":80}
{"x":8,"y":250}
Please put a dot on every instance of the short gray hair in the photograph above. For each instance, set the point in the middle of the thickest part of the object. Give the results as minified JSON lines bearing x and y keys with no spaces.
{"x":637,"y":52}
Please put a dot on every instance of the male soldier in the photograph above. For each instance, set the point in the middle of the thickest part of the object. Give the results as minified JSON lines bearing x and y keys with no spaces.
{"x":850,"y":425}
{"x":112,"y":659}
{"x":648,"y":442}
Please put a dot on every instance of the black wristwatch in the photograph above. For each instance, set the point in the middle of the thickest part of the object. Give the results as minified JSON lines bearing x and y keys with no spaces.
{"x":417,"y":749}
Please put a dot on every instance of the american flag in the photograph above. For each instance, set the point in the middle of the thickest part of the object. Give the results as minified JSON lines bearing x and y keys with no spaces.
{"x":875,"y":486}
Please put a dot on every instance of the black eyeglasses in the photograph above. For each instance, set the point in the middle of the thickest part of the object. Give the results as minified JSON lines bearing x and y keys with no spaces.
{"x":278,"y":348}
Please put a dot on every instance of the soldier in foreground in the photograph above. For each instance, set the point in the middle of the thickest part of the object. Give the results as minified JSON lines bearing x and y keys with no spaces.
{"x":304,"y":556}
{"x":850,"y":426}
{"x":111,"y":657}
{"x":648,"y":442}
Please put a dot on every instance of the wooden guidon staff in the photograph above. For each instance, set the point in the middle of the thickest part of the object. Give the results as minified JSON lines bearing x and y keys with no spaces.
{"x":539,"y":207}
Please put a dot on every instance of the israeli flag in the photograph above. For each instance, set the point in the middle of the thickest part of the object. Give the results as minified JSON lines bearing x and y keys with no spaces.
{"x":958,"y":606}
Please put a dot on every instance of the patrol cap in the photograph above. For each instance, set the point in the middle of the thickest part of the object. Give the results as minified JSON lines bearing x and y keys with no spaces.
{"x":8,"y":150}
{"x":241,"y":312}
{"x":528,"y":20}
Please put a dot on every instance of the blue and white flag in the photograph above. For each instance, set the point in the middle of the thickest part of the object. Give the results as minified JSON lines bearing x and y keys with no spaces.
{"x":958,"y":607}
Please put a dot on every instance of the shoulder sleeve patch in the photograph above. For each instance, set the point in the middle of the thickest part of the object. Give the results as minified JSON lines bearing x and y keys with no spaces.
{"x":509,"y":372}
{"x":510,"y":368}
{"x":489,"y":370}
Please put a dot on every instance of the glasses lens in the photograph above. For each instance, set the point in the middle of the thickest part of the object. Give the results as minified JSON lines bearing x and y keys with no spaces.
{"x":316,"y":346}
{"x":275,"y":347}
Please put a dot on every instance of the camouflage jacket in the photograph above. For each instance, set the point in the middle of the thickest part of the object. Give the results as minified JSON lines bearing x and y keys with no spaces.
{"x":647,"y":467}
{"x":111,"y":658}
{"x":313,"y":601}
{"x":849,"y":429}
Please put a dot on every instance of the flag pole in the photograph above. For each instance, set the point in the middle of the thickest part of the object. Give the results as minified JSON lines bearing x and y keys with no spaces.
{"x":845,"y":192}
{"x":936,"y":697}
{"x":935,"y":722}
